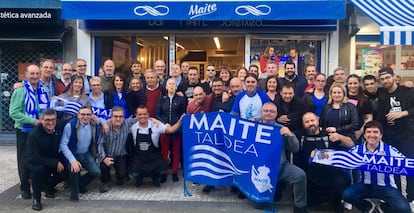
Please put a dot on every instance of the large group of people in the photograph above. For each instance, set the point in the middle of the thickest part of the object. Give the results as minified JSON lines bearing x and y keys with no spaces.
{"x":143,"y":134}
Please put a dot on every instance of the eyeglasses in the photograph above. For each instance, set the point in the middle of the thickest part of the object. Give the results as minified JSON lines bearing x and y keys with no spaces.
{"x":49,"y":120}
{"x":217,"y":85}
{"x":82,"y":65}
{"x":85,"y":114}
{"x":211,"y":70}
{"x":117,"y":116}
{"x":269,"y":110}
{"x":95,"y":85}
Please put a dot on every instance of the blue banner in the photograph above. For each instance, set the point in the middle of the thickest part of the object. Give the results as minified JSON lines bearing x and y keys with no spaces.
{"x":221,"y":149}
{"x":367,"y":162}
{"x":72,"y":107}
{"x":203,"y":9}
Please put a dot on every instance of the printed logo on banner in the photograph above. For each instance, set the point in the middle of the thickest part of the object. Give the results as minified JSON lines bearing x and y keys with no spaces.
{"x":259,"y":10}
{"x":159,"y":10}
{"x":196,"y":10}
{"x":222,"y":149}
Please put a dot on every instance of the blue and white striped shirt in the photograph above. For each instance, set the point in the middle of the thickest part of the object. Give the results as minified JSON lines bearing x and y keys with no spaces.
{"x":380,"y":179}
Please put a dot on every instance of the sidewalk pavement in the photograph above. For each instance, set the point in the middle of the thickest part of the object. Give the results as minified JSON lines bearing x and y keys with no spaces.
{"x":127,"y":198}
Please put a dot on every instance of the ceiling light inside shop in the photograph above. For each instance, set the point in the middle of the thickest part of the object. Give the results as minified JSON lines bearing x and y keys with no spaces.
{"x":176,"y":44}
{"x":217,"y":42}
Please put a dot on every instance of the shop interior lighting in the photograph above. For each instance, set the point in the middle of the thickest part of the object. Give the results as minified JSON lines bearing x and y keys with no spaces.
{"x":217,"y":42}
{"x":176,"y":43}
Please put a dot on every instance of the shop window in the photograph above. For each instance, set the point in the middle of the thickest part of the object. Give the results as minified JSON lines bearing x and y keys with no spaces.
{"x":125,"y":49}
{"x":306,"y":52}
{"x":371,"y":57}
{"x":407,"y":58}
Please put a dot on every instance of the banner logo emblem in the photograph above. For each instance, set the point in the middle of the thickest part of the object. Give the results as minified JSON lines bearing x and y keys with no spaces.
{"x":259,"y":10}
{"x":260,"y":179}
{"x":159,"y":10}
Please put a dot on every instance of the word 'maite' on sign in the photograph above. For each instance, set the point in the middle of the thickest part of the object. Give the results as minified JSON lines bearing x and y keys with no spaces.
{"x":223,"y":149}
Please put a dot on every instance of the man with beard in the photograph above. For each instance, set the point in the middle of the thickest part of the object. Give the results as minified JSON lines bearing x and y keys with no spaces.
{"x":66,"y":74}
{"x":187,"y":87}
{"x":291,"y":108}
{"x":372,"y":91}
{"x":290,"y":76}
{"x":325,"y":183}
{"x":218,"y":103}
{"x":136,"y":72}
{"x":396,"y":114}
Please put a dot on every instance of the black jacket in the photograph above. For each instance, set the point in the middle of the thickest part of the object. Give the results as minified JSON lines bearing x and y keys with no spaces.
{"x":294,"y":110}
{"x":43,"y":148}
{"x":135,"y":99}
{"x":348,"y":118}
{"x":170,"y":112}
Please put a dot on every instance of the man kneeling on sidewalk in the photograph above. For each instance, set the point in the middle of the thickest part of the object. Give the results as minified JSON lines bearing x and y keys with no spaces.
{"x":376,"y":185}
{"x":46,"y":169}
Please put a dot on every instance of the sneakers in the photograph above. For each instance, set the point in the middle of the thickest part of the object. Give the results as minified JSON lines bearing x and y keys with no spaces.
{"x":37,"y":205}
{"x":348,"y":206}
{"x":372,"y":208}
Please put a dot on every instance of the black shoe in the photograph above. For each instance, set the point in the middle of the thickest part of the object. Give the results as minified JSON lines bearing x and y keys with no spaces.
{"x":156,"y":183}
{"x":241,"y":195}
{"x":74,"y":197}
{"x":208,"y":189}
{"x":26,"y":195}
{"x":82,"y":190}
{"x":127,"y":178}
{"x":163,"y":178}
{"x":263,"y":206}
{"x":104,"y":188}
{"x":50,"y":194}
{"x":119,"y":182}
{"x":300,"y":210}
{"x":37,"y":205}
{"x":175,"y":177}
{"x":138,"y":182}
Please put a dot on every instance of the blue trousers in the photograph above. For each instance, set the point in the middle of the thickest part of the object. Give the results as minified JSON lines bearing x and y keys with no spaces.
{"x":76,"y":180}
{"x":394,"y":200}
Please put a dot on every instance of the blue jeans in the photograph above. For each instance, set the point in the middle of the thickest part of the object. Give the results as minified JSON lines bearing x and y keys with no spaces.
{"x":88,"y":162}
{"x":394,"y":200}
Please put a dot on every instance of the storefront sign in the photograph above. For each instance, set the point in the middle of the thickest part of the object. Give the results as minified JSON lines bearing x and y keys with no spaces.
{"x":203,"y":10}
{"x":252,"y":25}
{"x":17,"y":15}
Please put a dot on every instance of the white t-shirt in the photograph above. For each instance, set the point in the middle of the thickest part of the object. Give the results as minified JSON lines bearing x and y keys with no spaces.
{"x":156,"y":131}
{"x":251,"y":107}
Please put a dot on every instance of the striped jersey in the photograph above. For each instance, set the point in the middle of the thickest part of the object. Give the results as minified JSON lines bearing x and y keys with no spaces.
{"x":380,"y":179}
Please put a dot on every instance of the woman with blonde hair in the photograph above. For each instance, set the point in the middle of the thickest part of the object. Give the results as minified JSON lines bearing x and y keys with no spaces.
{"x":339,"y":116}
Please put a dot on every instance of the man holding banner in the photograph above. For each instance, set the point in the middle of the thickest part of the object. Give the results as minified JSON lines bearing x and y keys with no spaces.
{"x":325,"y":183}
{"x":288,"y":172}
{"x":374,"y":184}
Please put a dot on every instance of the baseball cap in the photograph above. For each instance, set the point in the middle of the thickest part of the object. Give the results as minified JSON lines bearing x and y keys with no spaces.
{"x":385,"y":70}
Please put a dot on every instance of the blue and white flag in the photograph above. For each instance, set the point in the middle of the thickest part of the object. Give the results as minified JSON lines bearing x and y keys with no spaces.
{"x":221,"y":149}
{"x":366,"y":162}
{"x":72,"y":107}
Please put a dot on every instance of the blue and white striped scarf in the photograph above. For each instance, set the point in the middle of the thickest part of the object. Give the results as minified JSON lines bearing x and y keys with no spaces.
{"x":35,"y":102}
